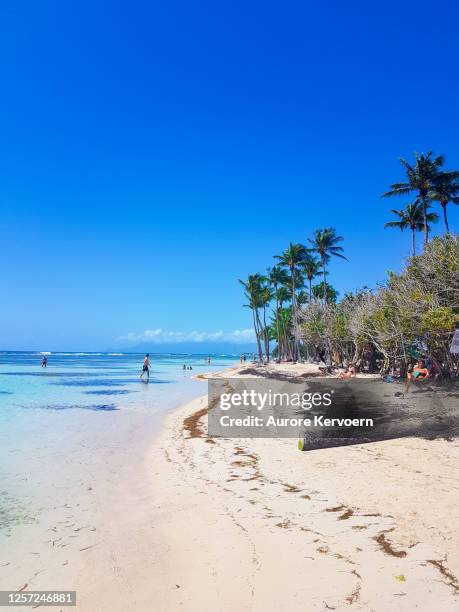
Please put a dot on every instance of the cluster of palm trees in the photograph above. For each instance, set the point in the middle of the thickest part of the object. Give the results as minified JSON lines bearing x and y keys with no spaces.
{"x":430,"y":183}
{"x":284,"y":284}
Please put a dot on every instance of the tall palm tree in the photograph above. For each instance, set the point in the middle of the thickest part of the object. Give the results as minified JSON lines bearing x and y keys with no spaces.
{"x":284,"y":294}
{"x":311,"y":267}
{"x":291,"y":258}
{"x":277,"y":277}
{"x":265,"y":297}
{"x":253,"y":287}
{"x":412,"y":216}
{"x":420,"y":177}
{"x":446,"y":189}
{"x":324,"y":243}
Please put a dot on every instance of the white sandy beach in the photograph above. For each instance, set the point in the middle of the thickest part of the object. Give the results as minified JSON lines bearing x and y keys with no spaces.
{"x":258,"y":525}
{"x":244,"y":524}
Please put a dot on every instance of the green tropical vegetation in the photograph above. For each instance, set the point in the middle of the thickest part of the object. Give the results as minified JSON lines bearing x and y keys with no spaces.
{"x":416,"y":311}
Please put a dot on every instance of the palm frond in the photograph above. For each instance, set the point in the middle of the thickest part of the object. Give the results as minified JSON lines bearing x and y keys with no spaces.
{"x":399,"y":224}
{"x":397,"y":189}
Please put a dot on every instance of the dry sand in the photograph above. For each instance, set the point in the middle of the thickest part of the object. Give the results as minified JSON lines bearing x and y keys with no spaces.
{"x":277,"y":370}
{"x":257,"y":525}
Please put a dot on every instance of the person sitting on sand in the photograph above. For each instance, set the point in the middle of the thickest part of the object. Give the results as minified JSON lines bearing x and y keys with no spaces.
{"x":349,"y":372}
{"x":419,"y":372}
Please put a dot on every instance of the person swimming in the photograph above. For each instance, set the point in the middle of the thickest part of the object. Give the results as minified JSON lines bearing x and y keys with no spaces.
{"x":146,"y":366}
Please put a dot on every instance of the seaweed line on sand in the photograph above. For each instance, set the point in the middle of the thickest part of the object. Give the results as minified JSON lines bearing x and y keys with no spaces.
{"x":451,"y":578}
{"x":387,"y":547}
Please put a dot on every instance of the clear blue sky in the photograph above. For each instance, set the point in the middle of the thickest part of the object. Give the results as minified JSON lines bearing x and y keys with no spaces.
{"x":152,"y":153}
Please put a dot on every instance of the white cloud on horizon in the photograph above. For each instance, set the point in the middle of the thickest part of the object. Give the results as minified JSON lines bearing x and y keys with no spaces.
{"x":160,"y":336}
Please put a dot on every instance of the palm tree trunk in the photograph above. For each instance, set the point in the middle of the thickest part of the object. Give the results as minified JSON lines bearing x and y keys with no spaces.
{"x":325,"y":281}
{"x":260,"y":331}
{"x":310,"y":290}
{"x":445,"y":218}
{"x":413,"y":243}
{"x":287,"y":349}
{"x":283,"y":333}
{"x":426,"y":227}
{"x":265,"y":333}
{"x":277,"y":326}
{"x":260,"y":353}
{"x":292,"y":270}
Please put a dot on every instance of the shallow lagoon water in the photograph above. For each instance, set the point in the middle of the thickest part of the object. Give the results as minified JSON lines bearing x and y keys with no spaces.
{"x":79,"y":419}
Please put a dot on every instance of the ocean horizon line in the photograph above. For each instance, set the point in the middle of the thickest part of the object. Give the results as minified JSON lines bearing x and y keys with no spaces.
{"x":116,"y":354}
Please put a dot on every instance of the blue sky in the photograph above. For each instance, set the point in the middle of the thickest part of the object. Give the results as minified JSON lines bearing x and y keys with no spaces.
{"x":153,"y":153}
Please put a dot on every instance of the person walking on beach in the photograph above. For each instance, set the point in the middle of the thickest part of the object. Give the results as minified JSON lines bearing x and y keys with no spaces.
{"x":146,"y":367}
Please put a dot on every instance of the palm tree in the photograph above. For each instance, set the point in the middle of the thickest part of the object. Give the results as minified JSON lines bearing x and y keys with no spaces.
{"x":302,"y":298}
{"x":421,"y":178}
{"x":446,"y":189}
{"x":277,"y":277}
{"x":284,"y":295}
{"x":320,"y":289}
{"x":291,"y":258}
{"x":253,"y":288}
{"x":324,"y":243}
{"x":265,"y":297}
{"x":412,"y":216}
{"x":311,"y":267}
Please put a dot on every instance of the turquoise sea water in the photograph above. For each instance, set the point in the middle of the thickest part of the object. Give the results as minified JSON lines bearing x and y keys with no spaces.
{"x":83,"y":418}
{"x":93,"y":381}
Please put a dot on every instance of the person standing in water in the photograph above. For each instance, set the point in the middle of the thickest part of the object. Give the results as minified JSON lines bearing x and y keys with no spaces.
{"x":146,"y":367}
{"x":44,"y":361}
